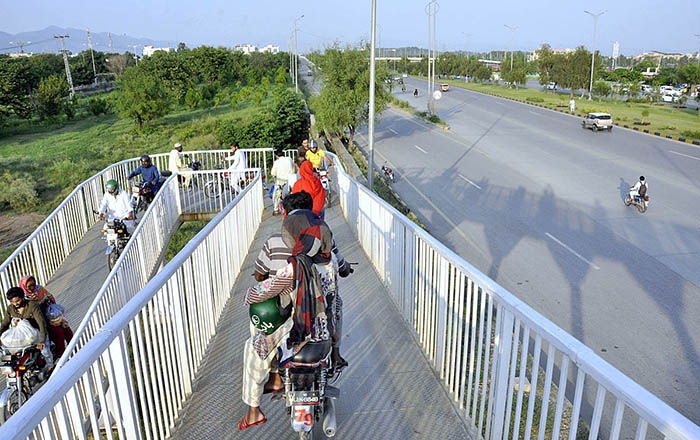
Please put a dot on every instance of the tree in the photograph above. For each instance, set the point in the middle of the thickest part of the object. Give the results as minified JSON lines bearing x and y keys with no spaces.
{"x":546,"y":59}
{"x":290,"y":115}
{"x":171,"y":70}
{"x":49,"y":96}
{"x":482,"y":73}
{"x":281,"y":77}
{"x":601,"y":88}
{"x":117,"y":63}
{"x":192,"y":99}
{"x":645,"y":114}
{"x":343,"y":101}
{"x":142,"y":97}
{"x":690,"y":74}
{"x":14,"y":89}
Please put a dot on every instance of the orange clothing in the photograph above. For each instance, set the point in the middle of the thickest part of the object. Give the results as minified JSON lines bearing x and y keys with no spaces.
{"x":309,"y":182}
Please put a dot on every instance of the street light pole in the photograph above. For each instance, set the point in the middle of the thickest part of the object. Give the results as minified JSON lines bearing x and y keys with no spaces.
{"x":512,"y":43}
{"x":466,"y":71}
{"x":296,"y":57}
{"x":595,"y":29}
{"x":370,"y":167}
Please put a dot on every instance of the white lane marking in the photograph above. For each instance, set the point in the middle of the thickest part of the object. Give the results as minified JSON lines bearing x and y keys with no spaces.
{"x":393,"y":131}
{"x":535,"y":113}
{"x":469,"y":181}
{"x":686,"y":155}
{"x":421,"y":149}
{"x":571,"y":250}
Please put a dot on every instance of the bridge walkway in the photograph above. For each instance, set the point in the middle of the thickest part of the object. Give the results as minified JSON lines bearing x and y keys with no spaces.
{"x":388,"y":391}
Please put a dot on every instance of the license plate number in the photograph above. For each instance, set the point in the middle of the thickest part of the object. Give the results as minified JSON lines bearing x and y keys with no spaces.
{"x":306,"y":398}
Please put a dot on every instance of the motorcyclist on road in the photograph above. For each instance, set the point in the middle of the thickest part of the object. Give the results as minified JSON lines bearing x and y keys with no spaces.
{"x":149,"y":173}
{"x":21,"y":308}
{"x":116,"y":204}
{"x":415,"y":92}
{"x":640,"y":188}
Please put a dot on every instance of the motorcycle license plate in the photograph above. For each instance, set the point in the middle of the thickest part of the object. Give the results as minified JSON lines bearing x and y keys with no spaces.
{"x":302,"y":417}
{"x":306,"y":398}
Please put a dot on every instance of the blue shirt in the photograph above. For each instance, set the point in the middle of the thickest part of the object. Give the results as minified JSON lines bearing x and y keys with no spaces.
{"x":148,"y":174}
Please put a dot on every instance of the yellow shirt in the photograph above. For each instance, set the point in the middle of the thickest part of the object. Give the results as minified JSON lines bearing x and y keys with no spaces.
{"x":316,"y":158}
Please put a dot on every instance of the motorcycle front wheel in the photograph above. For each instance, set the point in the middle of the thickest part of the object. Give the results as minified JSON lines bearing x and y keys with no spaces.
{"x":211,"y":190}
{"x":628,"y":200}
{"x":11,"y":406}
{"x":641,"y":207}
{"x":112,"y":258}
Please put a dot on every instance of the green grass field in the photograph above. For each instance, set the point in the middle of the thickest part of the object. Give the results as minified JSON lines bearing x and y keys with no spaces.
{"x":682,"y":122}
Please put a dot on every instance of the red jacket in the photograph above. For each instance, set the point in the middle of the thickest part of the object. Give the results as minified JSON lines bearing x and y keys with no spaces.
{"x":309,"y":182}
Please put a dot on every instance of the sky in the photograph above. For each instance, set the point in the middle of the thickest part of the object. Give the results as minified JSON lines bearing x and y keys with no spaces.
{"x":638,"y":25}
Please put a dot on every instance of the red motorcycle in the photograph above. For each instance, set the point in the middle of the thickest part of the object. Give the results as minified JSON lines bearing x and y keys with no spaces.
{"x":25,"y":372}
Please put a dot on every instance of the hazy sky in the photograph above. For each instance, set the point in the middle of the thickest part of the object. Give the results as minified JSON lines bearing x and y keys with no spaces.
{"x":639,"y":25}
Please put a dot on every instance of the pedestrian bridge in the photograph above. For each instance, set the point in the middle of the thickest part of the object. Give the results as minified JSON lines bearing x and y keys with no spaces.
{"x":436,"y":348}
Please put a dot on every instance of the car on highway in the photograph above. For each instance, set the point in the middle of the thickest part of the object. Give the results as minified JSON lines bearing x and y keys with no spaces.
{"x":551,"y":86}
{"x":598,"y":121}
{"x":404,"y":75}
{"x":444,"y":87}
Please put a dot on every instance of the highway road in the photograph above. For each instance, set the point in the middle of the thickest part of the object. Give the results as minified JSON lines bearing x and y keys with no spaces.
{"x":535,"y":202}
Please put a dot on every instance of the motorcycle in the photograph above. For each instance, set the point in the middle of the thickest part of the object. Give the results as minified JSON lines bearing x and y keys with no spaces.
{"x":388,"y":172}
{"x":25,"y":372}
{"x":117,"y":236}
{"x":324,"y":177}
{"x":641,"y":202}
{"x":141,"y":196}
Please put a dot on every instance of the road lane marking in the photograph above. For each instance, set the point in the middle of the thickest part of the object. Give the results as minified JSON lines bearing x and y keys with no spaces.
{"x":572,"y":251}
{"x":685,"y":155}
{"x":421,"y":149}
{"x":535,"y":113}
{"x":469,"y":181}
{"x":393,"y":131}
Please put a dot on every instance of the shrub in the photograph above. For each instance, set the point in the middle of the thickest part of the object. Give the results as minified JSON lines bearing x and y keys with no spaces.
{"x":691,"y":134}
{"x":234,"y":99}
{"x":69,"y":173}
{"x":49,"y":95}
{"x":534,"y":99}
{"x":192,"y":99}
{"x":19,"y":191}
{"x":98,"y":106}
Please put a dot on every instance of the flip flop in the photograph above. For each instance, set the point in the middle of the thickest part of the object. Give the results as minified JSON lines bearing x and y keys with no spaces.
{"x":243,"y":424}
{"x":273,"y":390}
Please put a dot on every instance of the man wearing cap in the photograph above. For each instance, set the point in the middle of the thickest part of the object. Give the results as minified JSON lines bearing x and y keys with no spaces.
{"x":175,"y":164}
{"x":282,"y":169}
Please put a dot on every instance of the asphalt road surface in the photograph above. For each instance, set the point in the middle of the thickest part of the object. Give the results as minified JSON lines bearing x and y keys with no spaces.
{"x":535,"y":202}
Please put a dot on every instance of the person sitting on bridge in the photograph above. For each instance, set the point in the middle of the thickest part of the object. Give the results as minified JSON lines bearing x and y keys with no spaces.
{"x":316,"y":156}
{"x":149,"y":173}
{"x":308,"y":281}
{"x":57,"y":327}
{"x":309,"y":182}
{"x":116,"y":204}
{"x":20,"y":308}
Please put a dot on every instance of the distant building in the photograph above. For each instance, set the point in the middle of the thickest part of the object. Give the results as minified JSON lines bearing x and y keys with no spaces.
{"x":150,"y":50}
{"x":20,"y":55}
{"x":246,"y":48}
{"x":270,"y":48}
{"x":495,"y":65}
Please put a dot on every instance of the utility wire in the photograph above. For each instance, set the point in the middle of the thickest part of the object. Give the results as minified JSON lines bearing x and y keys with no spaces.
{"x":25,"y":45}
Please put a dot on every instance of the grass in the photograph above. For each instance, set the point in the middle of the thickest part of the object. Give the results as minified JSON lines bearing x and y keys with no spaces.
{"x":182,"y":236}
{"x":404,"y":105}
{"x":683,"y":122}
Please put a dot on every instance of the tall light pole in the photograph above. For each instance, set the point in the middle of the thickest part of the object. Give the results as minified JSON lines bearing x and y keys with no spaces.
{"x":512,"y":43}
{"x":296,"y":57}
{"x":466,"y":71}
{"x":370,"y":167}
{"x":595,"y":29}
{"x":431,"y":10}
{"x":698,"y":37}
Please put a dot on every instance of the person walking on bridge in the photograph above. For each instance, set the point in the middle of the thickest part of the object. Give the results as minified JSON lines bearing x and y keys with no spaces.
{"x":282,"y":170}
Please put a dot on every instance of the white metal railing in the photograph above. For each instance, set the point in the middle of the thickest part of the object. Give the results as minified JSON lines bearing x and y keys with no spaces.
{"x":480,"y":339}
{"x":49,"y":245}
{"x":131,"y":378}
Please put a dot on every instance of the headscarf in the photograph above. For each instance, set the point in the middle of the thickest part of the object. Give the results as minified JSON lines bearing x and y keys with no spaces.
{"x":311,"y":242}
{"x":309,"y":182}
{"x":38,"y":294}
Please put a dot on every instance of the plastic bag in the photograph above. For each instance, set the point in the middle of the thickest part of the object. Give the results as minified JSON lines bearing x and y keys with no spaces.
{"x":54,"y":314}
{"x":20,"y":336}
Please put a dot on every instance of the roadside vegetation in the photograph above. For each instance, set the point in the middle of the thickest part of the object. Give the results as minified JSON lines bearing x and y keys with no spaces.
{"x":204,"y":98}
{"x":181,"y":237}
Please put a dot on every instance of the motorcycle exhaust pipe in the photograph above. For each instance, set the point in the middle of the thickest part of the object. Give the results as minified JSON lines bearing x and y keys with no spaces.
{"x":329,"y":425}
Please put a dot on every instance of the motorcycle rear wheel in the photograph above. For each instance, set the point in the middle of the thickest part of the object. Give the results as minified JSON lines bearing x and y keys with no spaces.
{"x":306,"y":435}
{"x":211,"y":190}
{"x":628,"y":200}
{"x":641,"y":207}
{"x":329,"y":197}
{"x":112,"y":258}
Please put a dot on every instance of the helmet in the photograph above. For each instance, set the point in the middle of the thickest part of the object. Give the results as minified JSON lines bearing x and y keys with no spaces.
{"x":266,"y":315}
{"x":641,"y":178}
{"x":313,"y":144}
{"x":112,"y":186}
{"x":146,"y":158}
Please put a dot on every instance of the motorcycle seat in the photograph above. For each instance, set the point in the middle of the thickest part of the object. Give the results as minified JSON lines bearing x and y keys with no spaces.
{"x":166,"y":173}
{"x":312,"y":352}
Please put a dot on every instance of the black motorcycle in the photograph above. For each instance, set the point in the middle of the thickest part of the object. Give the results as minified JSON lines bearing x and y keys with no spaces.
{"x":117,"y":236}
{"x":25,"y":372}
{"x":388,"y":172}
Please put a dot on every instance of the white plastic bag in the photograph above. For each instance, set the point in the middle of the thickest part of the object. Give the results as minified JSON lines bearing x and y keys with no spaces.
{"x":20,"y":336}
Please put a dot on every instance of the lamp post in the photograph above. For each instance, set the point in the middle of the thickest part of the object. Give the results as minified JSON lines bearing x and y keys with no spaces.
{"x":431,"y":10}
{"x":595,"y":29}
{"x":296,"y":57}
{"x":370,"y":167}
{"x":466,"y":71}
{"x":512,"y":43}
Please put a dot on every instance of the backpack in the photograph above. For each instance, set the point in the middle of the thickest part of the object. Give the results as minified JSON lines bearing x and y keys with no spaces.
{"x":643,"y":190}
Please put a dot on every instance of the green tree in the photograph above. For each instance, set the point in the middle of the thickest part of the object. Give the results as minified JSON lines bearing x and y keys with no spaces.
{"x":14,"y":89}
{"x":483,"y":72}
{"x":171,"y":70}
{"x":291,"y":119}
{"x":545,"y":63}
{"x":645,"y":114}
{"x":343,"y":101}
{"x":49,"y":96}
{"x":192,"y":98}
{"x":690,"y":74}
{"x":142,"y":97}
{"x":601,"y":88}
{"x":281,"y":77}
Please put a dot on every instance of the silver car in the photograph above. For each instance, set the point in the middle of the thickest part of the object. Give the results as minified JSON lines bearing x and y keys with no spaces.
{"x":598,"y":121}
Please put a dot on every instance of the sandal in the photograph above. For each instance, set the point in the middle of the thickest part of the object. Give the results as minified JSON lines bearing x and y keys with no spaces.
{"x":243,"y":424}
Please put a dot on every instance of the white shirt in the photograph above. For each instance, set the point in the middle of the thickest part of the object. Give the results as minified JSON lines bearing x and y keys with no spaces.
{"x":283,"y":168}
{"x":175,"y":161}
{"x":118,"y":207}
{"x":638,"y":185}
{"x":238,"y":159}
